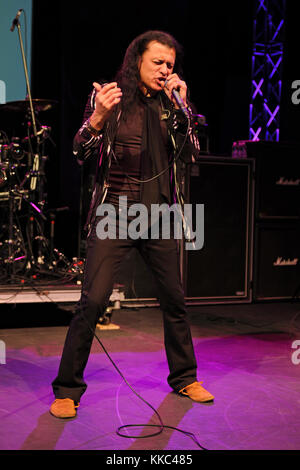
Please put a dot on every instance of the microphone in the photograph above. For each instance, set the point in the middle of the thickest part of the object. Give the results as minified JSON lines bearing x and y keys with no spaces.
{"x":16,"y":20}
{"x":179,"y":101}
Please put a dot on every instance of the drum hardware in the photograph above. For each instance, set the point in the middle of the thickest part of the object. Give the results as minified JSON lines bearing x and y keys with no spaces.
{"x":4,"y":196}
{"x":12,"y":151}
{"x":23,"y":243}
{"x":12,"y":251}
{"x":22,"y":175}
{"x":3,"y":176}
{"x":31,"y":251}
{"x":23,"y":184}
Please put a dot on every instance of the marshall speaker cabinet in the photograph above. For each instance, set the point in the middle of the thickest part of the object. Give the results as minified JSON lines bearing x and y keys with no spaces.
{"x":276,"y":260}
{"x":277,"y":219}
{"x":221,"y":271}
{"x":277,"y":174}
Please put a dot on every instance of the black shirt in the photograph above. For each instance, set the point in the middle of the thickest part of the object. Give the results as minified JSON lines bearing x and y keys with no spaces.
{"x":127,"y":150}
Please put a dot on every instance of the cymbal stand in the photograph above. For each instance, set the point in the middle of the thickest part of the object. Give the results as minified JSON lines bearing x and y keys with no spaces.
{"x":26,"y":78}
{"x":37,"y":162}
{"x":36,"y":156}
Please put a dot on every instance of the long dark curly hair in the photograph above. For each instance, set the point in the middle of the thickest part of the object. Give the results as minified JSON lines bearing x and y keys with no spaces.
{"x":128,"y":75}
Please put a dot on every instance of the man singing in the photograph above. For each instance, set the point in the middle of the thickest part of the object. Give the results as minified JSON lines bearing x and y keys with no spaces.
{"x":136,"y":129}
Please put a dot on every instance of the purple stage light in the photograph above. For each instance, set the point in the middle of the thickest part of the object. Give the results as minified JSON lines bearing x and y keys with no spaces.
{"x":267,"y":58}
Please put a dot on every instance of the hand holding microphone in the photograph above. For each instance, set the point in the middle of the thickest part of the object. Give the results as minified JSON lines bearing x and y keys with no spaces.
{"x":176,"y":90}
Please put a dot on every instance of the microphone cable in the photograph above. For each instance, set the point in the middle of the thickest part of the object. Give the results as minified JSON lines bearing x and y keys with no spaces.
{"x":161,"y":425}
{"x":173,"y":161}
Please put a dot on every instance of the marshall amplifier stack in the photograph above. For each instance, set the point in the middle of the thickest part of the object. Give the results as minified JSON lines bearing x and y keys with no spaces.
{"x":276,"y":260}
{"x":251,"y":249}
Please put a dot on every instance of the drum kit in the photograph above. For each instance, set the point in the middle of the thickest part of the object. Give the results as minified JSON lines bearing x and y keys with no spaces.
{"x":26,"y":253}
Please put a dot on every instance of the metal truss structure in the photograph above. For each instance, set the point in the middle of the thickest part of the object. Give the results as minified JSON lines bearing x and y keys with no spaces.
{"x":267,"y":56}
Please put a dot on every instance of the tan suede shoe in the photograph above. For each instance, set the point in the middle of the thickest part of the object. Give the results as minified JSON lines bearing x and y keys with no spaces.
{"x":197,"y":393}
{"x":63,"y":408}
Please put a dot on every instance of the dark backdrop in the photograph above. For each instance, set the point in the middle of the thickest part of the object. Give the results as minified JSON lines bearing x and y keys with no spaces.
{"x":73,"y":44}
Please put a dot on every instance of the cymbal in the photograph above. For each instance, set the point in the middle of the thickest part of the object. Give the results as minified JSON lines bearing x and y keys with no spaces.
{"x":39,"y":105}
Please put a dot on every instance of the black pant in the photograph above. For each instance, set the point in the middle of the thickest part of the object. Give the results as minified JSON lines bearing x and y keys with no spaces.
{"x":102,"y":263}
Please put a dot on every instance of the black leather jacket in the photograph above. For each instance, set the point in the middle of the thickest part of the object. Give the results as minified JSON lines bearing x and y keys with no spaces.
{"x":182,"y":137}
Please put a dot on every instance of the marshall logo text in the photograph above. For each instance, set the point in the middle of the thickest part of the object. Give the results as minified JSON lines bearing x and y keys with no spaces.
{"x":285,"y":262}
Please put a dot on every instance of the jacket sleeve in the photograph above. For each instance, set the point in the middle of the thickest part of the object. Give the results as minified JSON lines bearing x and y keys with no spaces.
{"x":84,"y":143}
